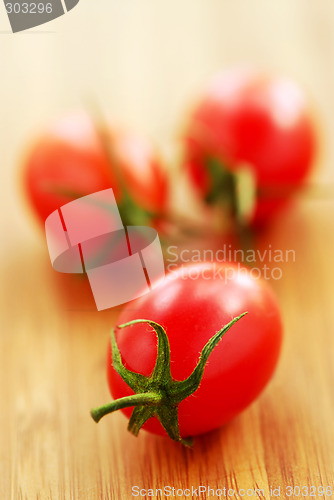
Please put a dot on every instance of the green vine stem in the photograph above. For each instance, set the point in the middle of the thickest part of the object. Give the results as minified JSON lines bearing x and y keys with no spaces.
{"x":159,"y":394}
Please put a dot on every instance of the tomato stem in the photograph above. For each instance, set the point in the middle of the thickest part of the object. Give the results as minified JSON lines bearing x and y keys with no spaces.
{"x":234,"y":191}
{"x":158,"y":395}
{"x":150,"y":398}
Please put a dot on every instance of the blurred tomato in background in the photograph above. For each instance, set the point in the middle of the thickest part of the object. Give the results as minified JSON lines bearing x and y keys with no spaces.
{"x":246,"y":121}
{"x":249,"y":118}
{"x":76,"y":156}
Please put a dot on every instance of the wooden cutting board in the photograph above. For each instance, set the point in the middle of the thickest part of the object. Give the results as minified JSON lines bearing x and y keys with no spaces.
{"x":52,"y":371}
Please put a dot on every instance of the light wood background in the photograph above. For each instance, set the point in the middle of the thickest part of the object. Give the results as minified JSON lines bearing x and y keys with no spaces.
{"x":142,"y":61}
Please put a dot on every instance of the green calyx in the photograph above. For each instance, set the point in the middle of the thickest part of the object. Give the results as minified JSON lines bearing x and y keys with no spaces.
{"x":159,"y":394}
{"x":233,"y":189}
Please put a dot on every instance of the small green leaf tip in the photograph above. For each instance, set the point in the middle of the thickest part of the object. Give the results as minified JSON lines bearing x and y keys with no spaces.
{"x":158,"y":395}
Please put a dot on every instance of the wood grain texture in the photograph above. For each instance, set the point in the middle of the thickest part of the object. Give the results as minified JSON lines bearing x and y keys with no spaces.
{"x":52,"y":359}
{"x":53,"y":341}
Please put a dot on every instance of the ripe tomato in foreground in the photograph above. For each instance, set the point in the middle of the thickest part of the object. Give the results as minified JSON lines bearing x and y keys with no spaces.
{"x":191,"y":305}
{"x":250,"y":119}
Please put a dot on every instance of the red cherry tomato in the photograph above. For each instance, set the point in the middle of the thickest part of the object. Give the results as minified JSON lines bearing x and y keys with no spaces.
{"x":192,"y":304}
{"x":247,"y":117}
{"x":142,"y":172}
{"x":71,"y":160}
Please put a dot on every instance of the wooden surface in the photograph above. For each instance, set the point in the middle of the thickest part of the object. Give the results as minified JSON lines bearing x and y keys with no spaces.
{"x":52,"y":362}
{"x":53,"y":341}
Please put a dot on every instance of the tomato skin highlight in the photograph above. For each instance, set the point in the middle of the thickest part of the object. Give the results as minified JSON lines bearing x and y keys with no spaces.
{"x":191,"y":311}
{"x":66,"y":158}
{"x":247,"y":117}
{"x":70,"y":160}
